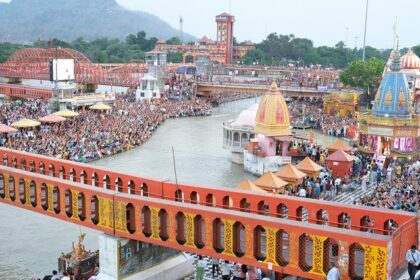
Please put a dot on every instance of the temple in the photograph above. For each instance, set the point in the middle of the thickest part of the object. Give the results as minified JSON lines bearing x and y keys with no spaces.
{"x":222,"y":50}
{"x":268,"y":151}
{"x":392,"y":127}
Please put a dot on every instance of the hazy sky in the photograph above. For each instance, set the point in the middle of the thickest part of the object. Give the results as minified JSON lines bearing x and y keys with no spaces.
{"x":323,"y":21}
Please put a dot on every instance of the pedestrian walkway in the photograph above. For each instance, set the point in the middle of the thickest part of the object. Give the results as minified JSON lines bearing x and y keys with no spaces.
{"x":348,"y":197}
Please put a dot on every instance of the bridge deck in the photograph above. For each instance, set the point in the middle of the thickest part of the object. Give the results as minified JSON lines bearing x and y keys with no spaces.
{"x":25,"y":92}
{"x":223,"y":223}
{"x":206,"y":88}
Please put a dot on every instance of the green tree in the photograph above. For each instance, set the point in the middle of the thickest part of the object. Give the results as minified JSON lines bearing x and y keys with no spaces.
{"x":174,"y":57}
{"x":174,"y":41}
{"x":364,"y":74}
{"x":255,"y":55}
{"x":416,"y":50}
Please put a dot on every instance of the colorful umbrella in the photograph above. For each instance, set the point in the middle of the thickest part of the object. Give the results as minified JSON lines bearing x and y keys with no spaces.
{"x":66,"y":113}
{"x":52,"y":118}
{"x":100,"y":106}
{"x":24,"y":123}
{"x":6,"y":129}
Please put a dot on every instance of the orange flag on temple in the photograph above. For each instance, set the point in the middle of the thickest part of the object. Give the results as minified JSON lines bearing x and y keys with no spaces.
{"x":311,"y":136}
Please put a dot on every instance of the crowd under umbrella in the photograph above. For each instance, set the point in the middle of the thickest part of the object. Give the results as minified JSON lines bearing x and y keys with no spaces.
{"x":7,"y":129}
{"x":52,"y":118}
{"x":25,"y":123}
{"x":100,"y":106}
{"x":66,"y":113}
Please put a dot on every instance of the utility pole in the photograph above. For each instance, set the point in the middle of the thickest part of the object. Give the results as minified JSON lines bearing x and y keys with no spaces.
{"x":355,"y":42}
{"x":347,"y":36}
{"x":364,"y":36}
{"x":347,"y":46}
{"x":181,"y":28}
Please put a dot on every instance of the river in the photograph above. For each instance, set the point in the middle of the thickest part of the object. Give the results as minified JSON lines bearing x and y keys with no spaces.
{"x":30,"y":243}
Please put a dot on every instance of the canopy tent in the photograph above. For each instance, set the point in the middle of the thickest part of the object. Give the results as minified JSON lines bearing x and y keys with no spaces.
{"x":7,"y":129}
{"x":291,"y":174}
{"x":25,"y":123}
{"x":247,"y":185}
{"x":309,"y":167}
{"x":66,"y":113}
{"x":52,"y":118}
{"x":271,"y":183}
{"x":341,"y":156}
{"x":339,"y":145}
{"x":340,"y":163}
{"x":100,"y":106}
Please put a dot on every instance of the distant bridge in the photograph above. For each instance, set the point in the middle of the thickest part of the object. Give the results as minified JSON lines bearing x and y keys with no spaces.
{"x":25,"y":92}
{"x":33,"y":63}
{"x":208,"y":88}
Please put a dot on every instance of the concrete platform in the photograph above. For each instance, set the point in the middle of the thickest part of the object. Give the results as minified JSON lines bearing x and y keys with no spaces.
{"x":175,"y":268}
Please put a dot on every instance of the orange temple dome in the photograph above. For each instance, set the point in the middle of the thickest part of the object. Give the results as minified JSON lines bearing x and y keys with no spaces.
{"x":272,"y":117}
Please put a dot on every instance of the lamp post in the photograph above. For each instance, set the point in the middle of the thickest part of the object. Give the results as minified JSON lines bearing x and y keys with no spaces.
{"x":364,"y":35}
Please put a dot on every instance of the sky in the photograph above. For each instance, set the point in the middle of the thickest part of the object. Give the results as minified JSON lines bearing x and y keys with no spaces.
{"x":322,"y":21}
{"x":325,"y":22}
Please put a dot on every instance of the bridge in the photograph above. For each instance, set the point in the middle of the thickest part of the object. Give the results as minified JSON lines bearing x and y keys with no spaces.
{"x":33,"y":63}
{"x":25,"y":92}
{"x":286,"y":234}
{"x":208,"y":88}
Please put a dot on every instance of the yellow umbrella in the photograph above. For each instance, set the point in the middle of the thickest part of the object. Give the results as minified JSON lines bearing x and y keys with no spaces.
{"x":24,"y":123}
{"x":100,"y":106}
{"x":66,"y":113}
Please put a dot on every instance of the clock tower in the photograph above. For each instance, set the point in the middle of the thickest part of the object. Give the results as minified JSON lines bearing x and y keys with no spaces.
{"x":225,"y":34}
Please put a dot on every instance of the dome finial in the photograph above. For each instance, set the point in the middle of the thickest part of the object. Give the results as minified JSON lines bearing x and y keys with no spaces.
{"x":395,"y":53}
{"x":274,"y":86}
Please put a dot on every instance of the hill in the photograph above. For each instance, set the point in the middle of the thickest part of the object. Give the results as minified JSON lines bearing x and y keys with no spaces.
{"x":23,"y":21}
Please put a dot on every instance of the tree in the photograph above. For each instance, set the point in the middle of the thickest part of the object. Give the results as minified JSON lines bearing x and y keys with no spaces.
{"x":174,"y":57}
{"x":174,"y":41}
{"x":416,"y":50}
{"x":254,"y":55}
{"x":364,"y":74}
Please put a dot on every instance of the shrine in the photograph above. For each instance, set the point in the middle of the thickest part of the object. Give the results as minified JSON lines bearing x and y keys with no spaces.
{"x":392,"y":127}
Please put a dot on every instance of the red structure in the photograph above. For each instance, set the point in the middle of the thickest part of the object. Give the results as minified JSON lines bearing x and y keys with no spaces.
{"x":25,"y":92}
{"x":222,"y":50}
{"x":33,"y":63}
{"x":223,"y":223}
{"x":225,"y":34}
{"x":340,"y":163}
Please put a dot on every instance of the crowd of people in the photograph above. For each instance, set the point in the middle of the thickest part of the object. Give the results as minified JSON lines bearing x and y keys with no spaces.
{"x":396,"y":187}
{"x":224,"y":97}
{"x":93,"y":135}
{"x":336,"y":125}
{"x":395,"y":184}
